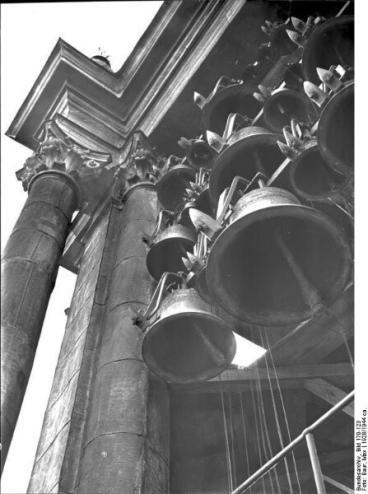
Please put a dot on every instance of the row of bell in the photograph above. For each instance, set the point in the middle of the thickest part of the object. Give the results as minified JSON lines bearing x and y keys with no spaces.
{"x":253,"y":149}
{"x":274,"y":262}
{"x":267,"y":259}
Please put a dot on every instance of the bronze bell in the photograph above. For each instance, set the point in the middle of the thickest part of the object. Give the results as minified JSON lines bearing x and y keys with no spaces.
{"x":336,"y":130}
{"x":330,"y":43}
{"x":285,"y":104}
{"x":198,"y":152}
{"x":250,"y":150}
{"x":233,"y":99}
{"x":277,"y":262}
{"x":167,"y":250}
{"x":185,"y":340}
{"x":202,"y":202}
{"x":312,"y":178}
{"x":171,"y":187}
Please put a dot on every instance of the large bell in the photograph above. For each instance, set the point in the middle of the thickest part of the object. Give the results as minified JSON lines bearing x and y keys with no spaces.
{"x":171,"y":187}
{"x":285,"y":104}
{"x":336,"y":130}
{"x":250,"y":150}
{"x":233,"y":99}
{"x":277,"y":262}
{"x":331,"y":43}
{"x":312,"y":178}
{"x":187,"y":341}
{"x":167,"y":250}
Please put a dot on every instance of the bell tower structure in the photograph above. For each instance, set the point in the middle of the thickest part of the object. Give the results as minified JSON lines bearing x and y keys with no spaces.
{"x":197,"y":193}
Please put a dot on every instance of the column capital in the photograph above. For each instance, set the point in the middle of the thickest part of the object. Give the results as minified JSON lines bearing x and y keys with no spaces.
{"x":138,"y":163}
{"x":57,"y":151}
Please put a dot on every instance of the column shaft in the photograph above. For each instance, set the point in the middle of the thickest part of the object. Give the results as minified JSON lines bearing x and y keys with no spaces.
{"x":29,"y":268}
{"x":126,"y":440}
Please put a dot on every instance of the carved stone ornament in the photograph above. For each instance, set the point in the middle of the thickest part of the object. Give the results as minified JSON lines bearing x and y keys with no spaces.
{"x":139,"y":162}
{"x":56,"y":151}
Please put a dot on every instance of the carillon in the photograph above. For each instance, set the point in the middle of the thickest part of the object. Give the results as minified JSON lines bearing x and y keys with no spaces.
{"x":213,"y":246}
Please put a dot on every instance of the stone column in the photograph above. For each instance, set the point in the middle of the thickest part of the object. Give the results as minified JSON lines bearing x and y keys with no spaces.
{"x":29,"y":266}
{"x":127,"y":435}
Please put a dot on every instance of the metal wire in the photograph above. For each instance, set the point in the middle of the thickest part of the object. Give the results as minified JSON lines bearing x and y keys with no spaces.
{"x":257,"y":432}
{"x":262,"y":429}
{"x":278,"y":427}
{"x":235,"y":480}
{"x":228,"y":459}
{"x":269,"y":444}
{"x":244,"y":435}
{"x":283,"y":408}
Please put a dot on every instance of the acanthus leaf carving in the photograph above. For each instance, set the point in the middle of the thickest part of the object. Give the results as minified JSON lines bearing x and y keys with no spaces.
{"x":57,"y":151}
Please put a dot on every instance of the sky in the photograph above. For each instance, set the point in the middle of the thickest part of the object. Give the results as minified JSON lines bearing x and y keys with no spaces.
{"x":28,"y":34}
{"x":115,"y":28}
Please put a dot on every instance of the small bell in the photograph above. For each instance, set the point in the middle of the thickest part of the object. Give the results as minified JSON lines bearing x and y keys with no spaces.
{"x":171,"y":187}
{"x":312,"y":178}
{"x":250,"y":150}
{"x":285,"y":104}
{"x":335,"y":132}
{"x":330,"y":43}
{"x":167,"y":250}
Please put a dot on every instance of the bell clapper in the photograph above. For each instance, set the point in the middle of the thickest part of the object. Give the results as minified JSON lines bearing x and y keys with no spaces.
{"x":309,"y":292}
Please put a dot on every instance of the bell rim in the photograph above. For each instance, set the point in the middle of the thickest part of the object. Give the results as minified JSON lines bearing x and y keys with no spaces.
{"x":155,"y":252}
{"x":269,"y":101}
{"x":227,"y":154}
{"x":320,"y":198}
{"x":168,"y":377}
{"x":214,"y":283}
{"x":335,"y":163}
{"x":310,"y":74}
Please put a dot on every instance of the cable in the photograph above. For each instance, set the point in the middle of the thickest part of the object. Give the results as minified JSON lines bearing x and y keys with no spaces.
{"x":228,"y":459}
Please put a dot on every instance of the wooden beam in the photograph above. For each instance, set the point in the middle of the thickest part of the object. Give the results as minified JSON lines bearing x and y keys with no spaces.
{"x":328,"y":392}
{"x":238,"y":380}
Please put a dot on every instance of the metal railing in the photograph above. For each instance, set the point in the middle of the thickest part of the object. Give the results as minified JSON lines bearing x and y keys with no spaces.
{"x":307,"y":434}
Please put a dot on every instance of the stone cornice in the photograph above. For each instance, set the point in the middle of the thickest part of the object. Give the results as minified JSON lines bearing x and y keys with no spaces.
{"x":140,"y":93}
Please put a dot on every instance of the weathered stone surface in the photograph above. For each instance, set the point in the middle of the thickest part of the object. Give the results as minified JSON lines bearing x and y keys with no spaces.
{"x":46,"y":470}
{"x":65,"y":406}
{"x":135,"y":235}
{"x":137,"y":286}
{"x":28,"y":272}
{"x":126,"y":445}
{"x":120,"y":399}
{"x":113,"y":465}
{"x":56,"y":417}
{"x":118,"y":344}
